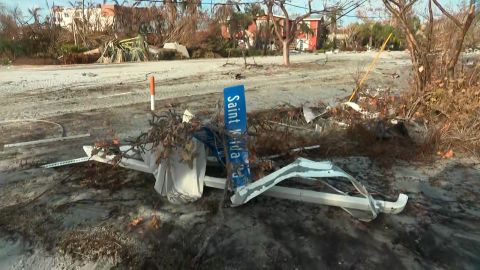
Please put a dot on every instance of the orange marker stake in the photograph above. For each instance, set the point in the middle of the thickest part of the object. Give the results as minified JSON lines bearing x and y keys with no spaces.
{"x":152,"y":93}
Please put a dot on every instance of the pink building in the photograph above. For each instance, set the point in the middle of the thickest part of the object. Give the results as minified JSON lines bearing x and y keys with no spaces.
{"x":303,"y":41}
{"x":310,"y":41}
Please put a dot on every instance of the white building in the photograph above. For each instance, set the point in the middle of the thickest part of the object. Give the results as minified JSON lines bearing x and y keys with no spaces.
{"x":99,"y":17}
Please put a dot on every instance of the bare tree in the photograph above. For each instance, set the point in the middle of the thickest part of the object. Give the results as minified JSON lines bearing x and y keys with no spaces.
{"x":82,"y":25}
{"x":351,"y":40}
{"x":402,"y":12}
{"x":454,"y":45}
{"x":285,"y":32}
{"x":187,"y":17}
{"x":334,"y":24}
{"x":472,"y":39}
{"x":171,"y":12}
{"x":223,"y":14}
{"x":35,"y":13}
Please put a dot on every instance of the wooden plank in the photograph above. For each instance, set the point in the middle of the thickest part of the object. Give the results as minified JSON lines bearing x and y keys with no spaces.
{"x":46,"y":140}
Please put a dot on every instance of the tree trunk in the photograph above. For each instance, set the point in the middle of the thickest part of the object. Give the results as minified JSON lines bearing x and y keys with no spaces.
{"x":454,"y":50}
{"x":286,"y":53}
{"x":244,"y":58}
{"x":267,"y":35}
{"x":74,"y":33}
{"x":455,"y":53}
{"x":451,"y":72}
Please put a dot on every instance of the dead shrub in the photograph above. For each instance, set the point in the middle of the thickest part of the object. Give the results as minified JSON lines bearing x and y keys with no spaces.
{"x":280,"y":130}
{"x":101,"y":176}
{"x":452,"y":109}
{"x":95,"y":244}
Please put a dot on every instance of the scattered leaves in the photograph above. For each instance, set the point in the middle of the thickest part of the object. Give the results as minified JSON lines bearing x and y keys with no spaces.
{"x":135,"y":222}
{"x":448,"y":154}
{"x":154,"y":223}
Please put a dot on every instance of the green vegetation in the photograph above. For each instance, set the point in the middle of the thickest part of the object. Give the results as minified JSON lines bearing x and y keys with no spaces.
{"x":378,"y":33}
{"x":69,"y":48}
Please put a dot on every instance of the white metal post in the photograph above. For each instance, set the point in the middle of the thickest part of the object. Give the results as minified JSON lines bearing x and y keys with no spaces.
{"x":152,"y":93}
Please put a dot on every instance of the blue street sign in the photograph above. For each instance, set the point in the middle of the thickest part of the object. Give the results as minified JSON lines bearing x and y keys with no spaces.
{"x":235,"y":117}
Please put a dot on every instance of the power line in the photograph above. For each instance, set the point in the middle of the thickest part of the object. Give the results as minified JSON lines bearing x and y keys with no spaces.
{"x":352,"y":9}
{"x":349,"y":7}
{"x":367,"y":17}
{"x":228,"y":3}
{"x":292,"y":5}
{"x":202,"y":3}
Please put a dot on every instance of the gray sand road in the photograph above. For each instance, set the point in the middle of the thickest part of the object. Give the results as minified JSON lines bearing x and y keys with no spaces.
{"x":44,"y":91}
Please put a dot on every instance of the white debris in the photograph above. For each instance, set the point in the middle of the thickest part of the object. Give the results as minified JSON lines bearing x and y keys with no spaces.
{"x":359,"y":109}
{"x":187,"y":116}
{"x":308,"y":114}
{"x":175,"y":46}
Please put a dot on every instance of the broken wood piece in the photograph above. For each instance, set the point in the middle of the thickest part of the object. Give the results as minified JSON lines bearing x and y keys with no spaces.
{"x":293,"y":151}
{"x":46,"y":140}
{"x":290,"y":126}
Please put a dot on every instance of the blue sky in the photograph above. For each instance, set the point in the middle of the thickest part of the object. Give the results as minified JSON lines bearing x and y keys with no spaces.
{"x":317,"y":4}
{"x":26,"y":4}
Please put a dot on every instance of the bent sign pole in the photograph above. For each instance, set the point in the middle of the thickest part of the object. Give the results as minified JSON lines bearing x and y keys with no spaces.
{"x":235,"y":117}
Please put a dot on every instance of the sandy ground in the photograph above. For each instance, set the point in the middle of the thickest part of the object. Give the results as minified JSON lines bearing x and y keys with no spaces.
{"x":52,"y":90}
{"x":67,"y":218}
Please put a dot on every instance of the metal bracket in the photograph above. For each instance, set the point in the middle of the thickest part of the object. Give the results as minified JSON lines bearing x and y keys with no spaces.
{"x":66,"y":162}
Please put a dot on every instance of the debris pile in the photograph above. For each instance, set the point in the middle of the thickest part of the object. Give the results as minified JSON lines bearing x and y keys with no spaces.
{"x":287,"y":131}
{"x":255,"y":157}
{"x":374,"y":125}
{"x":126,"y":50}
{"x":137,"y":50}
{"x":168,"y":133}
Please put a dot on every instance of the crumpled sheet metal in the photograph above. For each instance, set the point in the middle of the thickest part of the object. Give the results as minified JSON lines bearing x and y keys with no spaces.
{"x":173,"y":179}
{"x":306,"y":169}
{"x":176,"y":180}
